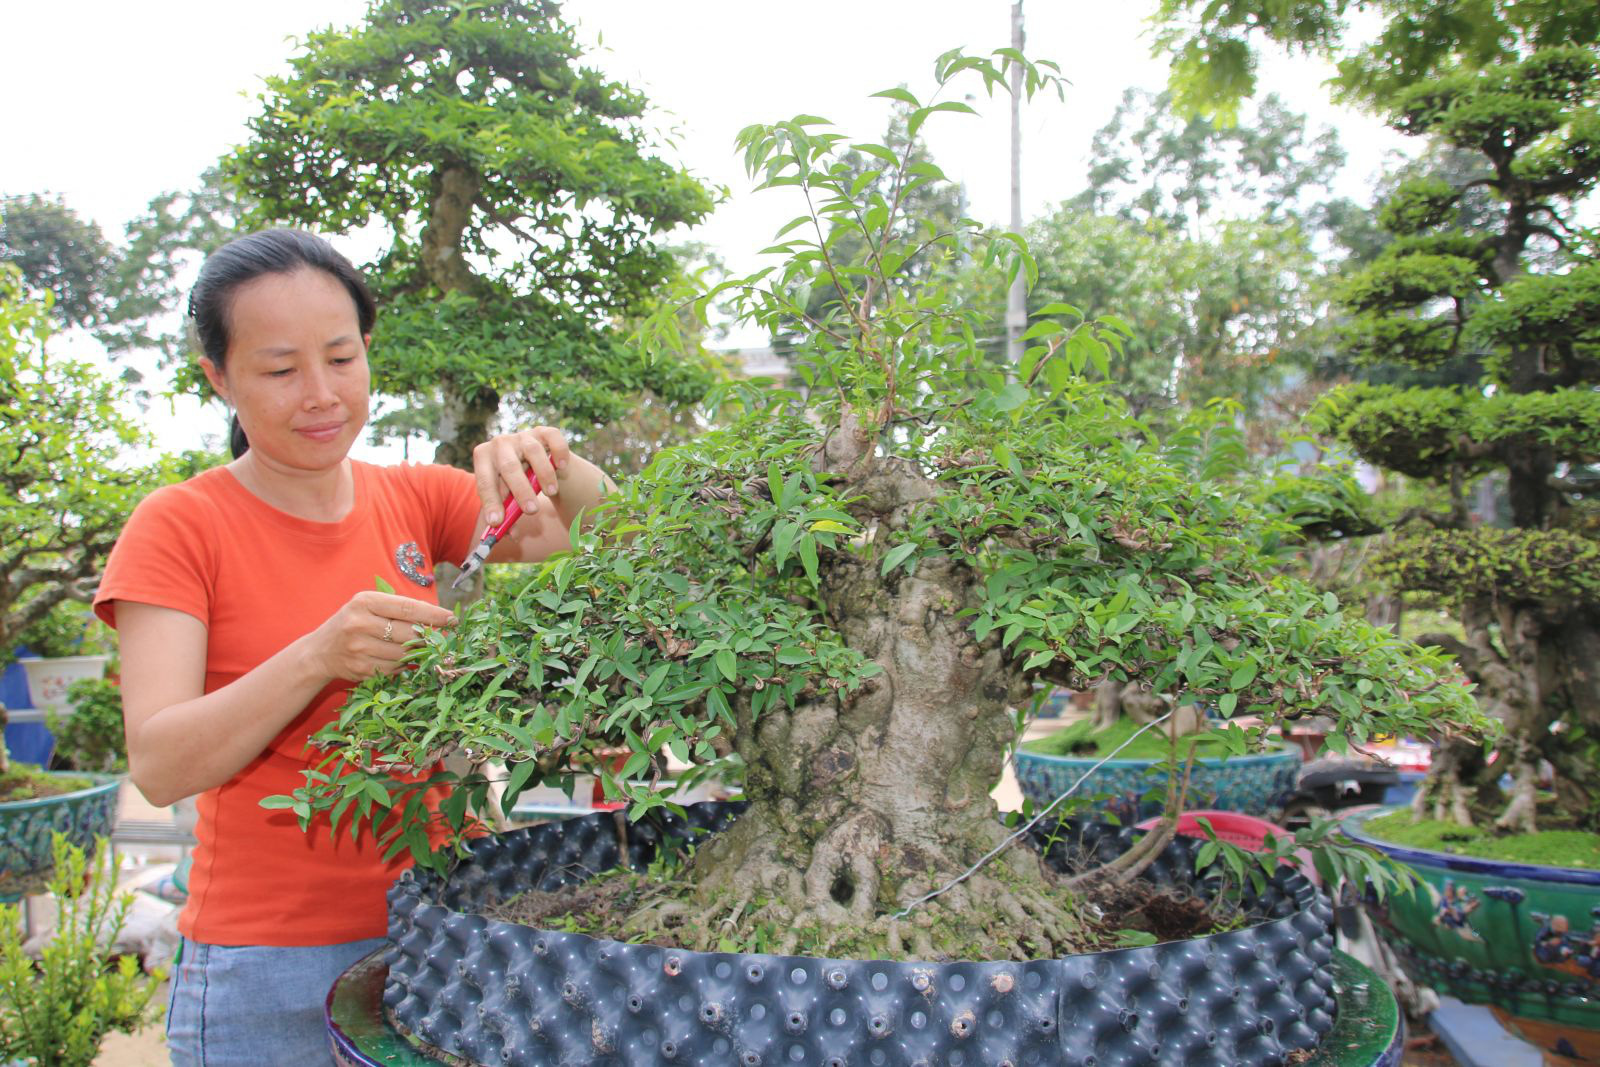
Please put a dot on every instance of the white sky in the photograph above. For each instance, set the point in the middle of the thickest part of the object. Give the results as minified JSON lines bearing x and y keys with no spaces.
{"x":114,"y":102}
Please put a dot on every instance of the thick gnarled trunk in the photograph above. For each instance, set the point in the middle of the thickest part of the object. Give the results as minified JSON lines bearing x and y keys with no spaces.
{"x":862,"y":803}
{"x":1533,"y":669}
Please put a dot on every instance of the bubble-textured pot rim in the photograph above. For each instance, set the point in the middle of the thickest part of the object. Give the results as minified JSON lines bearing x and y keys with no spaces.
{"x":1354,"y":827}
{"x":498,"y":992}
{"x":103,"y":783}
{"x":1274,"y":754}
{"x":362,"y":1037}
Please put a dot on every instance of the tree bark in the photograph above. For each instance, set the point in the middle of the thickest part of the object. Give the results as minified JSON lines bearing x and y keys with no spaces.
{"x":861,"y":803}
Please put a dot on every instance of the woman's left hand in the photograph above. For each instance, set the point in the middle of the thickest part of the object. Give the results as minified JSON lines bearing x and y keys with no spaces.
{"x":500,"y":464}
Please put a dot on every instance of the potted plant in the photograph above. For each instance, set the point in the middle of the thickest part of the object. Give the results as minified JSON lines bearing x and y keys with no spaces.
{"x":92,"y":737}
{"x":835,"y":599}
{"x":1485,"y":281}
{"x":1131,"y":774}
{"x":56,"y":1009}
{"x":64,"y":494}
{"x":64,"y":646}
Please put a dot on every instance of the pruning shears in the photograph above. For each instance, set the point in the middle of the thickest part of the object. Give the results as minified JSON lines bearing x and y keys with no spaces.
{"x":492,"y":536}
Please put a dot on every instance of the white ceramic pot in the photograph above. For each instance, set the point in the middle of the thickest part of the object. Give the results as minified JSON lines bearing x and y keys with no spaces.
{"x":48,"y":679}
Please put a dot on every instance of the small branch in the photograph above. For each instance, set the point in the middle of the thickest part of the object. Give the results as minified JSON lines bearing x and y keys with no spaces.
{"x":1055,"y":346}
{"x":1571,"y":485}
{"x":1432,"y":518}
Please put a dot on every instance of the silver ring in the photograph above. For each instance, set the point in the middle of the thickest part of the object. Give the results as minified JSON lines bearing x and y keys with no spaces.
{"x":388,"y":630}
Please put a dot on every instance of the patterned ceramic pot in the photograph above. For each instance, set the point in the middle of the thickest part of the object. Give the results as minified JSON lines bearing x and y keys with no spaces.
{"x":1259,"y":784}
{"x":1520,"y":937}
{"x":26,"y":826}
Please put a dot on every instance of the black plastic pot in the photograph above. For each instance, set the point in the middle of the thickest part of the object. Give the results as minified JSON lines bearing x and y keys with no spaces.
{"x":494,"y":992}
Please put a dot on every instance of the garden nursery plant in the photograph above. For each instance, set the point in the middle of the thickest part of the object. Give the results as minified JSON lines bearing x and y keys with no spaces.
{"x":838,"y":598}
{"x":1493,"y":272}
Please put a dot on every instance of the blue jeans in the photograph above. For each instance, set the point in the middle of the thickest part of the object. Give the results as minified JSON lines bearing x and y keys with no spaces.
{"x":255,"y":1005}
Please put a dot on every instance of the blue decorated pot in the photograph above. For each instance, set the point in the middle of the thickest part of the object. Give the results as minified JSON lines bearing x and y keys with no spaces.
{"x":26,"y":827}
{"x":1258,"y":784}
{"x":1521,"y":937}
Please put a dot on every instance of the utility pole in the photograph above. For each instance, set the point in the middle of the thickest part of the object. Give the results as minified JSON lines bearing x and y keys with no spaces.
{"x":1016,"y":304}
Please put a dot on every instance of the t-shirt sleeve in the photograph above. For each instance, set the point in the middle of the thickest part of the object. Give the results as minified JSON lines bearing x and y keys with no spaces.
{"x":451,"y":498}
{"x":162,"y":557}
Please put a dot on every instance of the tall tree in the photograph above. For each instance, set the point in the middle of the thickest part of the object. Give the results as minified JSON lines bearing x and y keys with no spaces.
{"x":1215,"y":64}
{"x":1527,"y":593}
{"x":518,"y":191}
{"x":1205,"y":239}
{"x":1153,"y":163}
{"x":57,"y":251}
{"x":177,"y":230}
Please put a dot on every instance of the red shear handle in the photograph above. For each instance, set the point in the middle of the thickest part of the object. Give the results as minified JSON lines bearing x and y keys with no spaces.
{"x":513,"y":511}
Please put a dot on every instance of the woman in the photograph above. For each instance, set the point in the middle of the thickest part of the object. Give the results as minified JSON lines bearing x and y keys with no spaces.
{"x":246,"y":605}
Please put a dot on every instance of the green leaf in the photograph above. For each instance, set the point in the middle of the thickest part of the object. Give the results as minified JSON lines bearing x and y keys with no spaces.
{"x":381,"y":585}
{"x":808,"y":556}
{"x":900,"y":94}
{"x":896,"y":556}
{"x":728,"y":664}
{"x":517,"y":781}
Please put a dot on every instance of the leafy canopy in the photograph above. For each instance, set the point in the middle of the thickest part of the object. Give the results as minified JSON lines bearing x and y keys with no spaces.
{"x":731,"y":582}
{"x":518,"y":189}
{"x":65,"y":488}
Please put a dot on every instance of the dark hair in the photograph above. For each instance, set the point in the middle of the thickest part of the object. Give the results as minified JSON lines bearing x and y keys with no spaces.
{"x":247,"y":258}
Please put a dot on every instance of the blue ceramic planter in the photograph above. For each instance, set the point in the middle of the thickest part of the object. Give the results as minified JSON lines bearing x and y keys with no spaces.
{"x":1520,"y":937}
{"x":1259,"y":784}
{"x":26,"y":827}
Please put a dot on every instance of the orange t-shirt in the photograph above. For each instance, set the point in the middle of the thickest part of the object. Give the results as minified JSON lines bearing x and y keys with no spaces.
{"x":259,"y":578}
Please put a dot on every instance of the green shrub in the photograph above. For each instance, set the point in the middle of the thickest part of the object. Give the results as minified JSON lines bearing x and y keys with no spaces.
{"x":91,"y":738}
{"x":55,"y":1011}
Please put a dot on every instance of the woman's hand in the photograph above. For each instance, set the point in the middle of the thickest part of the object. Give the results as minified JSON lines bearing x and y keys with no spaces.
{"x":371,"y":634}
{"x":500,"y":465}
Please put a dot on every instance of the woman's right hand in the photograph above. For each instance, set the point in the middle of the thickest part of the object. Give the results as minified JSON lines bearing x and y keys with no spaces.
{"x":371,"y":634}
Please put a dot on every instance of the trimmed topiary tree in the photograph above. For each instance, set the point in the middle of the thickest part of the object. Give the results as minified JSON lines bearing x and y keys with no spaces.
{"x":843,"y":595}
{"x":1526,"y":587}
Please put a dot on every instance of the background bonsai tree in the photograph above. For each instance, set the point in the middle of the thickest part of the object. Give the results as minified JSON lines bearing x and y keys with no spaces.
{"x":521,"y":201}
{"x":65,"y":489}
{"x":1525,"y":583}
{"x":842,"y":596}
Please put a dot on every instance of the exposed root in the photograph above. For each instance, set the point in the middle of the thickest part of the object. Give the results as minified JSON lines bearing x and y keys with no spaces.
{"x":1445,"y":794}
{"x":1132,"y":863}
{"x":1521,"y":815}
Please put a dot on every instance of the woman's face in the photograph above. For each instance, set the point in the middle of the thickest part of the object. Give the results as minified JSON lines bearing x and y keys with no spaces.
{"x":296,"y":369}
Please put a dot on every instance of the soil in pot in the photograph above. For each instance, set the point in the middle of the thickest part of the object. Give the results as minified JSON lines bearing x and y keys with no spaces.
{"x":1554,"y":846}
{"x":656,"y":908}
{"x":23,"y":782}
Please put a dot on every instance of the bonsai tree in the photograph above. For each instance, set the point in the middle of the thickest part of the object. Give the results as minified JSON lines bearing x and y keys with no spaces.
{"x":64,"y":490}
{"x":522,"y":199}
{"x":843,"y":595}
{"x":1525,"y":586}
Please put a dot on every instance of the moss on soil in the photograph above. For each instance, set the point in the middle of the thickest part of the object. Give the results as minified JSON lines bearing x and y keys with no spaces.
{"x":611,"y":905}
{"x":1080,"y":739}
{"x":1553,"y":848}
{"x":26,"y":782}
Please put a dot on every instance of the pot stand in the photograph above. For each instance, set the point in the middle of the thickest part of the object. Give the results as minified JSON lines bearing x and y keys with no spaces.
{"x":500,"y":993}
